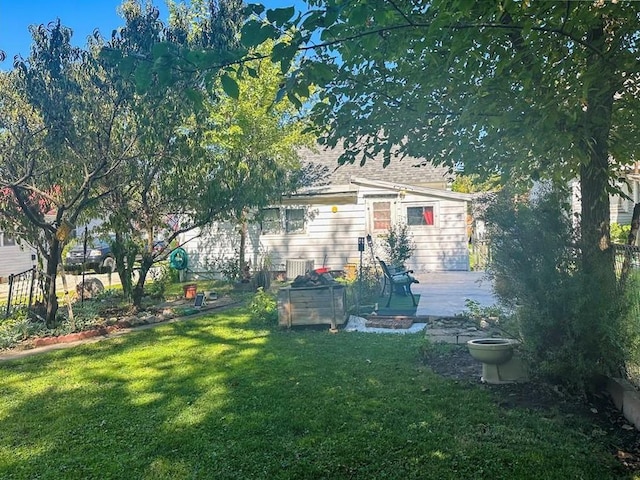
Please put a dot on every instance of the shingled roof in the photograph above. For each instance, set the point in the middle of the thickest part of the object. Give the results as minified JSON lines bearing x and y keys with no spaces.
{"x":407,"y":171}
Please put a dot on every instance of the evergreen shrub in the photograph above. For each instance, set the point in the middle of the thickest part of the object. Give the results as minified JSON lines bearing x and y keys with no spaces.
{"x":398,"y":244}
{"x":572,"y":329}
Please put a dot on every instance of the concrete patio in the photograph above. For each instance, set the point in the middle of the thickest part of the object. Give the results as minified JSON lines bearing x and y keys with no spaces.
{"x":444,"y":294}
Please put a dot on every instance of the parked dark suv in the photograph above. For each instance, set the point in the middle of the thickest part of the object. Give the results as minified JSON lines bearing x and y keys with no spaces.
{"x":98,"y":257}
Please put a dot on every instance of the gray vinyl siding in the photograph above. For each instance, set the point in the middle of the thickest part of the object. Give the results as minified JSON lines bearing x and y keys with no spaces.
{"x":444,"y":245}
{"x":15,"y":259}
{"x":620,"y":208}
{"x":329,"y":238}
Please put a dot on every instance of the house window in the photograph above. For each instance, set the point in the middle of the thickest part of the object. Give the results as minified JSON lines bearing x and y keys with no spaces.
{"x":7,"y":240}
{"x":279,"y":220}
{"x":381,"y":216}
{"x":424,"y":215}
{"x":271,"y":221}
{"x":294,"y":220}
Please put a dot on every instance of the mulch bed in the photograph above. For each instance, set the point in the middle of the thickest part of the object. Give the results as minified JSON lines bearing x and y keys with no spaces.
{"x":129,"y":321}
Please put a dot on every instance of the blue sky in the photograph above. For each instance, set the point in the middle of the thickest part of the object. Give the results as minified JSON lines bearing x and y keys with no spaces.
{"x":82,"y":16}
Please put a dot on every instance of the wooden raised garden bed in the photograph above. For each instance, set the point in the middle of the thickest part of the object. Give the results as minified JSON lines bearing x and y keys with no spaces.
{"x":324,"y":305}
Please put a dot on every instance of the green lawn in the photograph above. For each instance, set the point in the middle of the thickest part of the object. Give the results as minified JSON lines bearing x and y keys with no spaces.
{"x":218,"y":398}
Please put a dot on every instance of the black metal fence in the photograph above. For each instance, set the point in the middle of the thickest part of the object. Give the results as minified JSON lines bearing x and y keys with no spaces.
{"x":627,"y":260}
{"x":25,"y":290}
{"x":627,"y":266}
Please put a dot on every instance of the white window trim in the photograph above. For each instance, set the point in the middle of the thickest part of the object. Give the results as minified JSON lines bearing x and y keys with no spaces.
{"x":280,"y":230}
{"x":431,"y":203}
{"x":282,"y":215}
{"x":371,"y":221}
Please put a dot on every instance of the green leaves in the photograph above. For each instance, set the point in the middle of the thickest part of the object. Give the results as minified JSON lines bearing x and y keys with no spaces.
{"x":280,"y":16}
{"x":255,"y":33}
{"x":320,"y":73}
{"x":253,"y":9}
{"x":284,"y":53}
{"x":230,"y":86}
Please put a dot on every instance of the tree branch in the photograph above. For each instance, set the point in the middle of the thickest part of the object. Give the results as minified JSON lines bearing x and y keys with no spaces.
{"x":397,"y":9}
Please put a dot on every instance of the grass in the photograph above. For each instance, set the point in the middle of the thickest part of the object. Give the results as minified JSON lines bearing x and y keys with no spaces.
{"x":219,"y":398}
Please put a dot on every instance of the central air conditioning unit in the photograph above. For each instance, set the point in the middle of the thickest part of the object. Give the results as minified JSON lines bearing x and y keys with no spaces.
{"x":298,"y":267}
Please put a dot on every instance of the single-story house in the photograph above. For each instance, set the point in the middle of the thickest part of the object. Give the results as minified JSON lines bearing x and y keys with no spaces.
{"x":19,"y":256}
{"x":620,"y":204}
{"x":321,"y":225}
{"x":14,"y":258}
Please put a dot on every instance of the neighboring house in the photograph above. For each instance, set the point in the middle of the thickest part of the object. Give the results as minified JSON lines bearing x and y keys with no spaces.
{"x":14,"y":258}
{"x":320,"y":225}
{"x":19,"y":256}
{"x":620,"y":205}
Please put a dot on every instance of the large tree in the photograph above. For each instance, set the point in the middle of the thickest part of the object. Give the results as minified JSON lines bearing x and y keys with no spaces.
{"x":84,"y":136}
{"x":525,"y":88}
{"x":259,"y":141}
{"x":206,"y":156}
{"x":63,"y":131}
{"x":529,"y":90}
{"x":159,"y":181}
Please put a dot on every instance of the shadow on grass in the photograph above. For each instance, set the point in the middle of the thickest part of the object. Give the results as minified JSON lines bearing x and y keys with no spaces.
{"x":214,"y":397}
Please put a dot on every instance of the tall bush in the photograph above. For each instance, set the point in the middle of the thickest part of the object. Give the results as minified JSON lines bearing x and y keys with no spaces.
{"x":570,"y":335}
{"x":629,"y":325}
{"x":398,"y":245}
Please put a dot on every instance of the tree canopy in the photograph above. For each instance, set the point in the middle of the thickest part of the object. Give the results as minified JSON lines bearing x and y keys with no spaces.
{"x":502,"y":86}
{"x":205,"y":156}
{"x":527,"y":90}
{"x":94,"y":133}
{"x":524,"y":90}
{"x":62,"y":135}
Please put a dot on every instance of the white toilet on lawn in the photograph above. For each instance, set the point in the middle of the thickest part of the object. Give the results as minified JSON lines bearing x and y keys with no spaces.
{"x":500,"y":362}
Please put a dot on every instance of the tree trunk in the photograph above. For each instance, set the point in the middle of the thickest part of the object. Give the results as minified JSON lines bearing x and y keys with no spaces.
{"x":50,"y":281}
{"x":635,"y":225}
{"x":595,"y":220}
{"x":123,"y":267}
{"x":138,"y":291}
{"x":597,"y":254}
{"x":598,"y":314}
{"x":245,"y":268}
{"x":595,"y":216}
